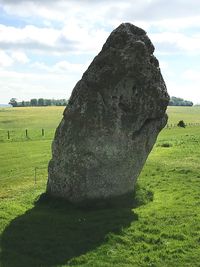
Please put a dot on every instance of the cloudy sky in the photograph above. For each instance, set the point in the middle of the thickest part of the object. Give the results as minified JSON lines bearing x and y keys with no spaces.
{"x":45,"y":45}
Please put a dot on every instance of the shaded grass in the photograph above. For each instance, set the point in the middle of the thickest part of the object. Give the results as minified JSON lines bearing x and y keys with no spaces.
{"x":53,"y":232}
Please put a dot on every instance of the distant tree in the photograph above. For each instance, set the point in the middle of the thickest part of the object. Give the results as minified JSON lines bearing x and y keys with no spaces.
{"x":188,"y":103}
{"x":34,"y":102}
{"x":27,"y":103}
{"x":177,"y":101}
{"x":48,"y":102}
{"x":61,"y":102}
{"x":38,"y":102}
{"x":41,"y":102}
{"x":13,"y":102}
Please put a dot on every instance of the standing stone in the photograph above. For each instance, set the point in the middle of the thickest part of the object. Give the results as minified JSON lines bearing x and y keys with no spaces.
{"x":112,"y":121}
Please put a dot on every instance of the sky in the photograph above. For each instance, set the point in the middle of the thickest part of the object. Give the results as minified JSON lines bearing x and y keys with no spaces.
{"x":46,"y":45}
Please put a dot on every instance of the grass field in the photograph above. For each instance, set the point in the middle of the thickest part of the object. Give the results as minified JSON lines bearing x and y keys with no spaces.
{"x":164,"y":231}
{"x":17,"y":120}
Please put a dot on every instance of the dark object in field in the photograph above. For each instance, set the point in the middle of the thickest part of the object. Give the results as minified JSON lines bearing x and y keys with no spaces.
{"x":166,"y":145}
{"x":112,"y":121}
{"x":181,"y":124}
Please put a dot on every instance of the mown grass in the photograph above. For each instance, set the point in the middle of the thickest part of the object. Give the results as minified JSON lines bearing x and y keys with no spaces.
{"x":32,"y":119}
{"x":46,"y":232}
{"x":187,"y":114}
{"x":49,"y":117}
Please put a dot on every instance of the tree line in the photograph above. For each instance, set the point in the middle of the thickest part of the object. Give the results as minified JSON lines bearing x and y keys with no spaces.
{"x":41,"y":102}
{"x":176,"y":101}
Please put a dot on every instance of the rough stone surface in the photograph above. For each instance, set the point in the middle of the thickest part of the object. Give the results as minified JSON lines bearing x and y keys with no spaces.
{"x":112,"y":121}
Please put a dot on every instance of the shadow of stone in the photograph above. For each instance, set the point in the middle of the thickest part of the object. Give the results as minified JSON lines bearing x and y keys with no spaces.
{"x":53,"y":232}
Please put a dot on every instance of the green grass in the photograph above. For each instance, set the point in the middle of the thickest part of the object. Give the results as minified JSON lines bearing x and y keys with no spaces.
{"x":162,"y":232}
{"x":34,"y":119}
{"x":187,"y":114}
{"x":17,"y":120}
{"x":30,"y":117}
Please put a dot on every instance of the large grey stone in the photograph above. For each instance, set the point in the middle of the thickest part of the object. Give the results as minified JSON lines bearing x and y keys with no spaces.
{"x":112,"y":121}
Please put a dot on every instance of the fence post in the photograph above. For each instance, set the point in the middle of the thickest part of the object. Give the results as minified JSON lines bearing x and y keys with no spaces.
{"x":42,"y":132}
{"x":8,"y":135}
{"x":26,"y":132}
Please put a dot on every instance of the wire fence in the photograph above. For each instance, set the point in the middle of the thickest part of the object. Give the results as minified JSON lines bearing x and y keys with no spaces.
{"x":48,"y":134}
{"x":26,"y":134}
{"x":173,"y":125}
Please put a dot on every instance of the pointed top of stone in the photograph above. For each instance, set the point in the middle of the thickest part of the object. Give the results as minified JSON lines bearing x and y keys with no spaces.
{"x":127,"y":34}
{"x":130,"y":29}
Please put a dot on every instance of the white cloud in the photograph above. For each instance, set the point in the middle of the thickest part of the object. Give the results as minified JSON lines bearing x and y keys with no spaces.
{"x":72,"y":37}
{"x":90,"y":39}
{"x":65,"y":66}
{"x":147,"y":10}
{"x":19,"y":57}
{"x":85,"y":25}
{"x":33,"y":38}
{"x":174,"y":42}
{"x":61,"y":67}
{"x":5,"y":60}
{"x":176,"y":24}
{"x":28,"y":9}
{"x":192,"y":75}
{"x":48,"y":81}
{"x":184,"y":90}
